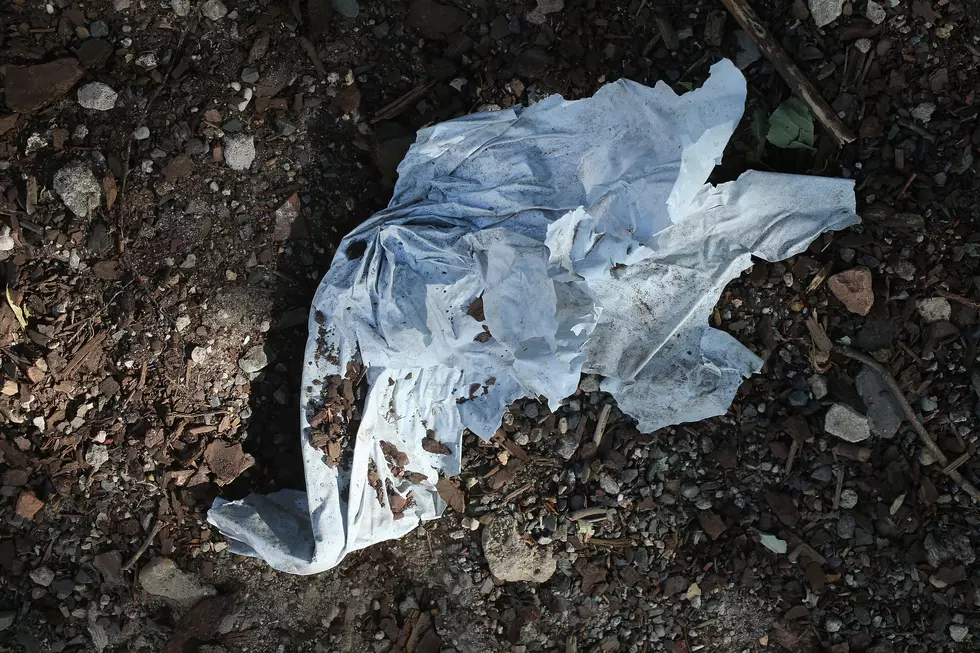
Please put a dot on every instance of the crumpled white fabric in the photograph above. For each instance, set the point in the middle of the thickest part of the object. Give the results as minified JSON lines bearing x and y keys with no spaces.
{"x":588,"y":231}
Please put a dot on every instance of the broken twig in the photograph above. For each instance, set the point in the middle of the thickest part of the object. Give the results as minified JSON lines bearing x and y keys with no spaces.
{"x":791,"y":73}
{"x":948,"y":470}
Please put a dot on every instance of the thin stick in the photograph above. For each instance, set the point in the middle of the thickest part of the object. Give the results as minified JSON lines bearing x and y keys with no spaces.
{"x":838,"y":488}
{"x":910,"y":416}
{"x":794,"y":77}
{"x":600,"y":427}
{"x":960,"y":299}
{"x":157,"y":527}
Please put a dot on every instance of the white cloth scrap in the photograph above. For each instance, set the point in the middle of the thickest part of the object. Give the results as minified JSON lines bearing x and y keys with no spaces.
{"x":588,"y":231}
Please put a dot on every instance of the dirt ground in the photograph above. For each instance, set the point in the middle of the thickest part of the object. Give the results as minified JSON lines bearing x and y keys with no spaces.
{"x":152,"y":336}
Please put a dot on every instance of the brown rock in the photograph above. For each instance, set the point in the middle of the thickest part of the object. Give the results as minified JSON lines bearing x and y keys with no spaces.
{"x":712,"y":524}
{"x":180,"y":166}
{"x":29,"y":88}
{"x":346,"y":100}
{"x":227,"y":461}
{"x":28,"y":505}
{"x":853,"y":288}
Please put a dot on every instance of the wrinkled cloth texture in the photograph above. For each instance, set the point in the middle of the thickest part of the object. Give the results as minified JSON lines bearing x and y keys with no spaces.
{"x":587,"y":231}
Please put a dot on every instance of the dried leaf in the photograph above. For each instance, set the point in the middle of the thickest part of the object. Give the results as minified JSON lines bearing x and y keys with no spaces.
{"x":821,"y":344}
{"x":109,"y":188}
{"x":20,"y":313}
{"x":451,"y":495}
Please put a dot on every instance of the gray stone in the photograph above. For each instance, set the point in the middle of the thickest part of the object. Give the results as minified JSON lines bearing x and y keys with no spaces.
{"x":689,"y":490}
{"x":214,"y":9}
{"x":951,"y":546}
{"x":96,"y":456}
{"x":885,"y":416}
{"x":545,"y":7}
{"x":798,"y":398}
{"x":818,"y":386}
{"x":958,"y":632}
{"x":98,"y":29}
{"x":239,"y":151}
{"x":845,"y":527}
{"x":928,"y":404}
{"x":6,"y":239}
{"x":181,"y":7}
{"x":923,"y":111}
{"x":250,"y":75}
{"x":748,"y":52}
{"x":589,"y":383}
{"x":825,"y":12}
{"x":162,"y":577}
{"x":608,"y":484}
{"x":848,"y":499}
{"x":874,"y":12}
{"x":254,"y":360}
{"x":846,"y":423}
{"x":567,"y":446}
{"x":77,"y":187}
{"x":122,"y":5}
{"x":863,"y":45}
{"x":832,"y":623}
{"x":346,"y":8}
{"x":141,"y":133}
{"x":97,"y":96}
{"x":7,"y":618}
{"x":43,"y":576}
{"x":510,"y":559}
{"x":934,"y":309}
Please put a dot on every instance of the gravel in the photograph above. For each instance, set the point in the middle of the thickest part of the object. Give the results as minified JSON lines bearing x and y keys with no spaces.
{"x":97,"y":96}
{"x":43,"y":576}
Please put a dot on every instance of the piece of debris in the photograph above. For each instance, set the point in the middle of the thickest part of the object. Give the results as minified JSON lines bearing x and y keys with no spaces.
{"x":874,"y":12}
{"x":510,"y":558}
{"x":97,"y":96}
{"x":30,"y":88}
{"x":853,"y":288}
{"x":78,"y":188}
{"x":162,"y":577}
{"x":846,"y":423}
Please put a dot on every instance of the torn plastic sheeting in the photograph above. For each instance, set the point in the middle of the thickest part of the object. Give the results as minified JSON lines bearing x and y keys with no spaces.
{"x":586,"y":230}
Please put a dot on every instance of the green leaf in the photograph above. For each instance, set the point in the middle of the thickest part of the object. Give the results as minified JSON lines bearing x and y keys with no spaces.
{"x":760,"y":127}
{"x":791,"y":126}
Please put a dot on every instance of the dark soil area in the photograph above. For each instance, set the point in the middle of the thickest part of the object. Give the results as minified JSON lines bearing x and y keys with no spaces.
{"x":175,"y":177}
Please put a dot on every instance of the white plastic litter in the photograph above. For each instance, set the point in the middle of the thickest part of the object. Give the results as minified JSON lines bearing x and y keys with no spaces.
{"x":588,"y":231}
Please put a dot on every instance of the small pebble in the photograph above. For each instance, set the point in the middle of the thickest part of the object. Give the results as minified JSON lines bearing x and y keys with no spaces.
{"x":848,"y":499}
{"x":141,"y":133}
{"x":928,"y":404}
